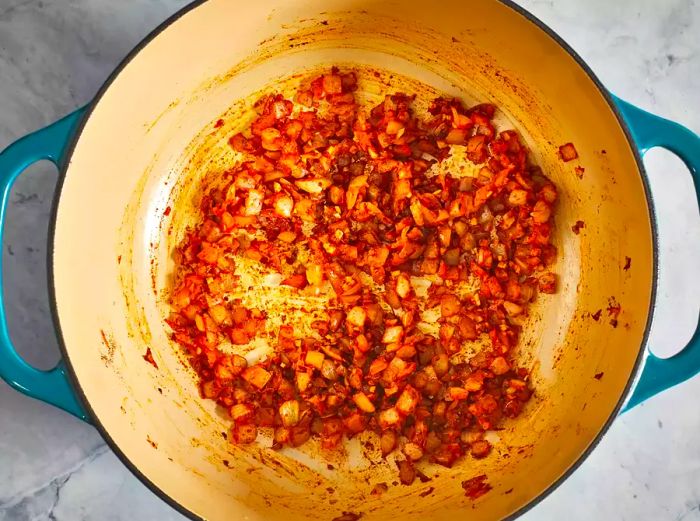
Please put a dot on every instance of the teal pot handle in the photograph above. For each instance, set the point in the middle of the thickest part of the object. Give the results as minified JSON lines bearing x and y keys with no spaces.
{"x":651,"y":131}
{"x":51,"y":386}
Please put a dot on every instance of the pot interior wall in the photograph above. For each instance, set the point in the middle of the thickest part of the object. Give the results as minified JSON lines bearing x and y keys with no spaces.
{"x":112,"y":257}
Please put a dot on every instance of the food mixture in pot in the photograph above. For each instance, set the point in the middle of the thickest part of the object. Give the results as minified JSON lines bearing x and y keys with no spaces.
{"x":414,"y":278}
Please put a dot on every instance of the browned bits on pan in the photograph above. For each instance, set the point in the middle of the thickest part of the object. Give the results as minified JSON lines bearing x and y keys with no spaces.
{"x":598,"y":376}
{"x":342,"y":201}
{"x":427,"y":492}
{"x":379,"y":489}
{"x":579,"y":171}
{"x":148,"y":357}
{"x":613,"y":310}
{"x":576,"y":228}
{"x":628,"y":263}
{"x":596,"y":316}
{"x":476,"y":487}
{"x":407,"y":472}
{"x":422,"y":477}
{"x":568,"y":152}
{"x":348,"y":516}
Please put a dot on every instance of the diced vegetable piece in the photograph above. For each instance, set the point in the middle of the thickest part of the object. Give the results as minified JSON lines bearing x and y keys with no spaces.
{"x":332,"y":84}
{"x":329,"y":370}
{"x":467,"y":328}
{"x":363,"y":402}
{"x":209,"y":389}
{"x":451,"y":257}
{"x":512,"y":308}
{"x":284,"y":206}
{"x":407,"y":472}
{"x":548,"y":282}
{"x":408,"y":401}
{"x":219,"y":313}
{"x":457,"y":393}
{"x":447,"y":454}
{"x":314,"y":274}
{"x":480,"y":449}
{"x":241,"y":412}
{"x":239,"y":336}
{"x":296,"y":281}
{"x":392,"y":334}
{"x":441,"y":364}
{"x":270,"y":137}
{"x":314,"y":359}
{"x":541,"y":212}
{"x":303,"y":380}
{"x":289,"y":413}
{"x":357,"y":316}
{"x":314,"y":185}
{"x":412,"y":451}
{"x":287,"y":236}
{"x":254,"y":202}
{"x":244,"y":434}
{"x":238,"y":363}
{"x":299,"y":435}
{"x":354,"y":187}
{"x":355,"y":423}
{"x":403,"y":286}
{"x":264,"y":417}
{"x":406,"y":352}
{"x":499,"y":366}
{"x":377,"y":366}
{"x":456,"y":136}
{"x":474,"y":383}
{"x":256,"y":376}
{"x":517,"y":197}
{"x":568,"y":152}
{"x":389,"y":418}
{"x":450,"y":305}
{"x":387,"y":442}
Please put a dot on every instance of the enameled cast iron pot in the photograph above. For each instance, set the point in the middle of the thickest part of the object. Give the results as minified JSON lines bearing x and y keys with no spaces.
{"x":140,"y":147}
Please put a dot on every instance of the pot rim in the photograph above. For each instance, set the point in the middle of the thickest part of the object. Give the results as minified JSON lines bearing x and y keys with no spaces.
{"x":133,"y":468}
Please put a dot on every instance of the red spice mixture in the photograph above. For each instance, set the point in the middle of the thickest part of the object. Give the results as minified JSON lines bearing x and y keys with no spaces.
{"x":349,"y":209}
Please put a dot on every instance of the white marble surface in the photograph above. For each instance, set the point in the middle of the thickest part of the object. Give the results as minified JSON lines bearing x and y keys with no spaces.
{"x":53,"y":57}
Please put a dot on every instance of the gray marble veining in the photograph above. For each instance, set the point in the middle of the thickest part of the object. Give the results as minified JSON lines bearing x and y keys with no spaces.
{"x":54,"y":55}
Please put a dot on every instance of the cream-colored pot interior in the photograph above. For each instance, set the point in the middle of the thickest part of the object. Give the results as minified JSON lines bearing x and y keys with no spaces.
{"x":151,"y":137}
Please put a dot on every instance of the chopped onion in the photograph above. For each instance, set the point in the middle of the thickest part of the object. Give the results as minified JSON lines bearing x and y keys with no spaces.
{"x":363,"y":402}
{"x":387,"y":441}
{"x":486,"y":216}
{"x":289,"y":413}
{"x":413,"y":451}
{"x":357,"y":316}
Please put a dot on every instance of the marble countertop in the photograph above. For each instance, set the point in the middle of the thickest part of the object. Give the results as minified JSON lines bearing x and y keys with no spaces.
{"x":54,"y":55}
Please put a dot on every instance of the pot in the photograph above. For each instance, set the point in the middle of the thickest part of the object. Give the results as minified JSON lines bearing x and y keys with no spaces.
{"x":142,"y":146}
